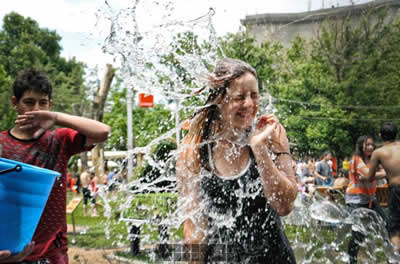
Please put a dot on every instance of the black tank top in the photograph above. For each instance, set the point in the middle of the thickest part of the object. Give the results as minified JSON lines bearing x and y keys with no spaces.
{"x":241,"y":221}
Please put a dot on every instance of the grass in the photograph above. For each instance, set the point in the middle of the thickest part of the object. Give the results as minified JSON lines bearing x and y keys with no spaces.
{"x":317,"y":242}
{"x":143,"y":206}
{"x":95,"y":235}
{"x":146,"y":206}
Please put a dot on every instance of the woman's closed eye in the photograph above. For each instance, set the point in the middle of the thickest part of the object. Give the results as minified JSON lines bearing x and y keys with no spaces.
{"x":242,"y":97}
{"x":239,"y":98}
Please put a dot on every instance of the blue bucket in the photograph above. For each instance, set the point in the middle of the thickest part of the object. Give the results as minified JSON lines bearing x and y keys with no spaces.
{"x":24,"y":190}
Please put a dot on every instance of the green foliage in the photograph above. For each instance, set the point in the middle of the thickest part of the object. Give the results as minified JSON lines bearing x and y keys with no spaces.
{"x":264,"y":57}
{"x":180,"y":80}
{"x":6,"y":111}
{"x":182,"y":44}
{"x":148,"y":123}
{"x":151,"y":205}
{"x":160,"y":155}
{"x":343,"y":78}
{"x":329,"y":90}
{"x":24,"y":44}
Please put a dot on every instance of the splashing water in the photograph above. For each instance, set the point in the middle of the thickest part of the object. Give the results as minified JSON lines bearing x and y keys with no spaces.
{"x":149,"y":206}
{"x":327,"y":211}
{"x":330,"y":225}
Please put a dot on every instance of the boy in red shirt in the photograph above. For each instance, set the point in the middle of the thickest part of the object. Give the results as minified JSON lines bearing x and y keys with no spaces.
{"x":31,"y":141}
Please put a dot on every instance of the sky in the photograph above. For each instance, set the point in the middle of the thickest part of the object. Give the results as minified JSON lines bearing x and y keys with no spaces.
{"x":84,"y":25}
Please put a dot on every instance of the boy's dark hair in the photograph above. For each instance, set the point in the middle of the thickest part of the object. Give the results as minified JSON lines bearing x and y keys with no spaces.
{"x":32,"y":79}
{"x":388,"y":131}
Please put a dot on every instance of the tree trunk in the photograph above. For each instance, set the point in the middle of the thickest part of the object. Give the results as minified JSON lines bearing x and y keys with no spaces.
{"x":78,"y":110}
{"x":97,"y":114}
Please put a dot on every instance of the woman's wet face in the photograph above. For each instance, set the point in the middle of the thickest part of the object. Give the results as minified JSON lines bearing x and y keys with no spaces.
{"x":240,"y":104}
{"x":368,"y":147}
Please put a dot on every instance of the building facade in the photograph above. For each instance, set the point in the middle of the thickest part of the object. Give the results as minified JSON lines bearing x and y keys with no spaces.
{"x":284,"y":27}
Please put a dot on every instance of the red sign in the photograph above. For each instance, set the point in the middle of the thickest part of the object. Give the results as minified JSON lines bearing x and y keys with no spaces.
{"x":146,"y":100}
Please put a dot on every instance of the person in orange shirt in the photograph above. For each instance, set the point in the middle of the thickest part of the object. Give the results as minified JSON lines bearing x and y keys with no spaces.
{"x":361,"y":194}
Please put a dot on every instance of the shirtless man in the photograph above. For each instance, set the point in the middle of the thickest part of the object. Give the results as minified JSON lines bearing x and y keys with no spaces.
{"x":389,"y":157}
{"x":85,"y":183}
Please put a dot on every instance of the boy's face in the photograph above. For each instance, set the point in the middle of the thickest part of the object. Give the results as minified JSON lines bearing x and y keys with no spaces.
{"x":31,"y":101}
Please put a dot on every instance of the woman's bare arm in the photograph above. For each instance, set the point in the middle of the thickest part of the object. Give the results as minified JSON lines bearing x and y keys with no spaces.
{"x":188,"y":180}
{"x":278,"y":179}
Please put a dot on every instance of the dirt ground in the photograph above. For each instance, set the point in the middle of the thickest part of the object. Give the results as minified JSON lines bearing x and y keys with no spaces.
{"x":89,"y":256}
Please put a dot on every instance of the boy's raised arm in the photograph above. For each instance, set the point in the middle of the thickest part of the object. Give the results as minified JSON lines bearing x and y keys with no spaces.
{"x":95,"y":131}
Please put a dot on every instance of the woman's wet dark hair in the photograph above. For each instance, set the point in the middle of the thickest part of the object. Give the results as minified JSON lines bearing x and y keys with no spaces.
{"x":205,"y":122}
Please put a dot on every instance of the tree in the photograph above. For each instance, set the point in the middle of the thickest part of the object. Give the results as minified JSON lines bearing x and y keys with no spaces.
{"x":341,"y":85}
{"x":148,"y":123}
{"x":24,"y":44}
{"x":97,"y":114}
{"x":264,"y":57}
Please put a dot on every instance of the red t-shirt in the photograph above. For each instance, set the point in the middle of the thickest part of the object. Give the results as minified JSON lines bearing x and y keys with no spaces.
{"x":51,"y":151}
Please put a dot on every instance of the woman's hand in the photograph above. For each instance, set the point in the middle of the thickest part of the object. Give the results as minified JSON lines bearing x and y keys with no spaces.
{"x":271,"y":133}
{"x":264,"y":129}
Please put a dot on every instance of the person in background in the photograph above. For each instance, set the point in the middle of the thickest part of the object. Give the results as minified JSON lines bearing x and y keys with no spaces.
{"x":69,"y":181}
{"x":78,"y":183}
{"x":85,"y":184}
{"x":323,"y":170}
{"x":342,"y":180}
{"x":346,"y":163}
{"x":361,"y":194}
{"x":105,"y":177}
{"x":32,"y":140}
{"x":388,"y":156}
{"x":111,"y":175}
{"x":93,"y":193}
{"x":308,"y":181}
{"x":236,"y":179}
{"x":300,"y":165}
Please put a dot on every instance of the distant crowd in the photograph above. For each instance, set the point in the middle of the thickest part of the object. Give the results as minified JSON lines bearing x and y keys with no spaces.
{"x":89,"y":184}
{"x":325,"y":171}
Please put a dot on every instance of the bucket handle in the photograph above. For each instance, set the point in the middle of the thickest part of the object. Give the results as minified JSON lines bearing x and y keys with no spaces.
{"x":17,"y":168}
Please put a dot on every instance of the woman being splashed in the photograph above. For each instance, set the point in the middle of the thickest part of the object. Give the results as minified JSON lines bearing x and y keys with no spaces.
{"x":236,"y":180}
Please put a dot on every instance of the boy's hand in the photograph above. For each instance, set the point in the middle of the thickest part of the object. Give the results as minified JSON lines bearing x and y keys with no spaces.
{"x":5,"y":255}
{"x":37,"y":120}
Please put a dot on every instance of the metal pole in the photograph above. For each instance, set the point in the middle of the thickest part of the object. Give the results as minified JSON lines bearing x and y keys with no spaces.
{"x":177,"y":121}
{"x":73,"y":228}
{"x":130,"y":131}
